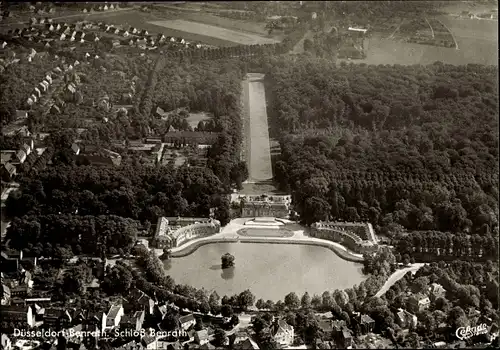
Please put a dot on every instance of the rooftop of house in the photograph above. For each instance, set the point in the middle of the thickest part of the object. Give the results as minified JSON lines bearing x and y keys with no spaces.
{"x":125,"y":319}
{"x":421,"y":298}
{"x":6,"y":156}
{"x":203,"y":334}
{"x":326,"y":325}
{"x":14,"y":309}
{"x":113,"y":311}
{"x":137,"y":315}
{"x":282,"y":326}
{"x":403,"y":314}
{"x":186,"y":319}
{"x":436,"y":288}
{"x":366,"y":319}
{"x":148,"y":339}
{"x":55,"y":313}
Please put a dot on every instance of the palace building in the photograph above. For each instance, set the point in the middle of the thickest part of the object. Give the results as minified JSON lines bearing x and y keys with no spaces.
{"x":173,"y":232}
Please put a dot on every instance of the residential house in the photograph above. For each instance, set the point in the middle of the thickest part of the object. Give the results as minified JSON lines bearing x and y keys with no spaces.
{"x":16,"y":314}
{"x":473,"y":315}
{"x":436,"y":291}
{"x":91,"y":37}
{"x":26,"y":149}
{"x":160,"y":312}
{"x":75,"y":148}
{"x":42,"y":87}
{"x":326,"y":326}
{"x":20,"y":157}
{"x":132,"y":41}
{"x":21,"y":291}
{"x":247,"y":344}
{"x":187,"y":321}
{"x":138,"y":319}
{"x":419,"y":302}
{"x":79,"y":36}
{"x":55,"y":109}
{"x":30,"y":142}
{"x":6,"y":295}
{"x":201,"y":337}
{"x":133,"y":30}
{"x":147,"y":303}
{"x":62,"y":36}
{"x":149,"y":342}
{"x":6,"y":344}
{"x":125,"y":34}
{"x":364,"y":323}
{"x":9,"y":171}
{"x":114,"y":316}
{"x":21,"y":114}
{"x":72,"y":35}
{"x":144,"y":32}
{"x":133,"y":322}
{"x":406,"y":320}
{"x":57,"y":318}
{"x":141,"y":42}
{"x":39,"y":313}
{"x":160,"y":38}
{"x":283,"y":333}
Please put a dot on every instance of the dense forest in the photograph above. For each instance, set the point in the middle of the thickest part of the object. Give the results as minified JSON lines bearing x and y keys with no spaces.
{"x":414,"y":146}
{"x":77,"y":193}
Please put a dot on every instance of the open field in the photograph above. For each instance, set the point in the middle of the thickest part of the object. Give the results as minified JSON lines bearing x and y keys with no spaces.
{"x":233,"y":24}
{"x":473,"y":48}
{"x":195,"y":28}
{"x":195,"y":118}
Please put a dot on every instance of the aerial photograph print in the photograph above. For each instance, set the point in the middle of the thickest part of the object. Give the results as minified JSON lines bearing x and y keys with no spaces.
{"x":238,"y":175}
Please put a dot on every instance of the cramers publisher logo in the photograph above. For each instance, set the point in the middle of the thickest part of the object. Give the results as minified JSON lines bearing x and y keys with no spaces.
{"x":464,"y":333}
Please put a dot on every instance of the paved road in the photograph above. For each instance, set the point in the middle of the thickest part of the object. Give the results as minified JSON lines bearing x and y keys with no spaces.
{"x":396,"y":276}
